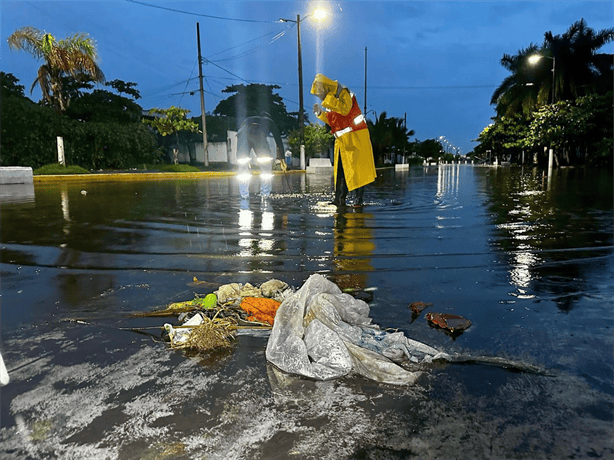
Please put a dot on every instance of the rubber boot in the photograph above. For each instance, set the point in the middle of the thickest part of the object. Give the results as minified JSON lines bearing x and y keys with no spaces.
{"x":358,"y":197}
{"x":341,"y":188}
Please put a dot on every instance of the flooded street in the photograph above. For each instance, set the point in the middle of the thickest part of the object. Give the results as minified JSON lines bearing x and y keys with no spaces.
{"x":528,"y":260}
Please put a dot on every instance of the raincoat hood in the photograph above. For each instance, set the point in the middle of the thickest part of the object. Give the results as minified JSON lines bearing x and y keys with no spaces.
{"x":323,"y":81}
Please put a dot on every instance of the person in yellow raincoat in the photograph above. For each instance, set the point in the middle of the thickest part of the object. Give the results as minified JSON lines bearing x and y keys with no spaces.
{"x":354,"y":166}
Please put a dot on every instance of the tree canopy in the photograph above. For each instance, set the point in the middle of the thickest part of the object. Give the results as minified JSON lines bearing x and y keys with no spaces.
{"x":388,"y":135}
{"x":29,"y":132}
{"x":317,"y":140}
{"x":561,"y":99}
{"x":170,"y":121}
{"x":579,"y":70}
{"x":74,"y":56}
{"x":252,"y":100}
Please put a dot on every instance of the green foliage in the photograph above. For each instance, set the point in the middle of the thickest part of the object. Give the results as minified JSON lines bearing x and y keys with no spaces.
{"x":506,"y":136}
{"x":29,"y":133}
{"x":178,"y":168}
{"x":579,"y":131}
{"x":108,"y":145}
{"x":519,"y":93}
{"x":579,"y":125}
{"x":252,"y":100}
{"x":10,"y":86}
{"x":318,"y":140}
{"x":415,"y":161}
{"x":579,"y":70}
{"x":429,"y":148}
{"x":104,"y":106}
{"x":217,"y":127}
{"x":170,"y":121}
{"x":388,"y":135}
{"x":56,"y":168}
{"x":128,"y":88}
{"x":74,"y":56}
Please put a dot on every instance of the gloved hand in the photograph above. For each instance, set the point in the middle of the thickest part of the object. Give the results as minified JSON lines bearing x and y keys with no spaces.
{"x":317,"y":109}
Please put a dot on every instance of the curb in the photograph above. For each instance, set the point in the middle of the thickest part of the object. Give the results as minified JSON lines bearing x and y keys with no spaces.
{"x":140,"y":176}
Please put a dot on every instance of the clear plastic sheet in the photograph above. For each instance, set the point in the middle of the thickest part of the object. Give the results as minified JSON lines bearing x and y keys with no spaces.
{"x":323,"y":333}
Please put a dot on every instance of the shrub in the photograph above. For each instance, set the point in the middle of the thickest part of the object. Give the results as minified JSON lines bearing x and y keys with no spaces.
{"x":56,"y":168}
{"x":178,"y":168}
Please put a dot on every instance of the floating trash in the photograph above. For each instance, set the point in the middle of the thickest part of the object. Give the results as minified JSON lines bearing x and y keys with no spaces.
{"x":211,"y":322}
{"x":208,"y":334}
{"x":417,"y":307}
{"x":207,"y":302}
{"x":260,"y":309}
{"x":453,"y":324}
{"x":360,"y":294}
{"x":317,"y":331}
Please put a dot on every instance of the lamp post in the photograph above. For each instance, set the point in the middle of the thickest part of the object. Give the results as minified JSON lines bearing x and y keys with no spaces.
{"x":534,"y":59}
{"x":319,"y":14}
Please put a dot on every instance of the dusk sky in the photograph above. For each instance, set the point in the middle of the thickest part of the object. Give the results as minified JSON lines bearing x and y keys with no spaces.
{"x":436,"y":62}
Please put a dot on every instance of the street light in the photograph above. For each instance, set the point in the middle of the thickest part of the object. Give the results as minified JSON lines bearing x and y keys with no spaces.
{"x":534,"y":59}
{"x":319,"y":14}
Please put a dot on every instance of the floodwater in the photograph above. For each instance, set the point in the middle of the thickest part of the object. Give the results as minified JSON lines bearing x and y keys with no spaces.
{"x":527,"y":258}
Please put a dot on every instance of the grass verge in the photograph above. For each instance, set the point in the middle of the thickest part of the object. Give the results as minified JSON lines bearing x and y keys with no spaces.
{"x":57,"y":168}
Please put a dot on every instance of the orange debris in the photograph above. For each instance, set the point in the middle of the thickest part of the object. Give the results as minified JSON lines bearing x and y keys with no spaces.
{"x":260,"y":309}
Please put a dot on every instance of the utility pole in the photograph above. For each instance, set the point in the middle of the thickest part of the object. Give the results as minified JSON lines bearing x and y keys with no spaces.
{"x":404,"y":135}
{"x":202,"y":96}
{"x":300,"y":94}
{"x":300,"y":78}
{"x":365,"y":112}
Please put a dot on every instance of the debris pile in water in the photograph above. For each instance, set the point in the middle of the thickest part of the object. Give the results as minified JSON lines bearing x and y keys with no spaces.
{"x":212,"y":321}
{"x":317,"y":331}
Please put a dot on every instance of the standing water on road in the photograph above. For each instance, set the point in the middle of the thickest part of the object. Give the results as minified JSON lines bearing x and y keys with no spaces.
{"x":526,"y":258}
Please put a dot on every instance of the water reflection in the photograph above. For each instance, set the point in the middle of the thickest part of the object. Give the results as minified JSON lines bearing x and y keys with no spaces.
{"x":537,"y":225}
{"x":17,"y":193}
{"x":353,"y":247}
{"x":448,"y":177}
{"x":136,"y":246}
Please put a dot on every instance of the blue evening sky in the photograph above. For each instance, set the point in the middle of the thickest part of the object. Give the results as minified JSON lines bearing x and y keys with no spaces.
{"x":436,"y":62}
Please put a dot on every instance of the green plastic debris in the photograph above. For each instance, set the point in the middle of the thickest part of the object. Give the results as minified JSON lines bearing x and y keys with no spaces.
{"x":210,"y":301}
{"x":207,"y":302}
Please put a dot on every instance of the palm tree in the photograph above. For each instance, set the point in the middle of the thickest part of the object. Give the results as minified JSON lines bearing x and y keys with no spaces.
{"x":520,"y":91}
{"x":388,"y":135}
{"x":579,"y":66}
{"x":579,"y":70}
{"x":73,"y":57}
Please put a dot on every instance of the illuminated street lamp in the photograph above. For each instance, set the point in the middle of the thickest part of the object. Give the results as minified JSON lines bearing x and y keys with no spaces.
{"x":319,"y":14}
{"x":534,"y":59}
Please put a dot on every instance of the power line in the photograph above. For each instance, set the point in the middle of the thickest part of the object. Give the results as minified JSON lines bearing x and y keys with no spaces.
{"x":211,"y":89}
{"x":227,"y":71}
{"x":191,"y":93}
{"x":188,"y":80}
{"x":276,"y":37}
{"x":199,"y":14}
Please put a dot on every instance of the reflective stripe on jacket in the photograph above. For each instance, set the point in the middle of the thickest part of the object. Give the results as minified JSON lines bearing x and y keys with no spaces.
{"x":343,"y":124}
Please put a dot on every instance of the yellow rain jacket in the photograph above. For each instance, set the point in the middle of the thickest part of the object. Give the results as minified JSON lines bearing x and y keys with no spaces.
{"x":342,"y":113}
